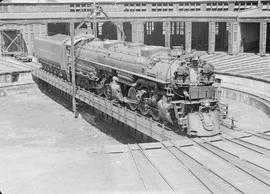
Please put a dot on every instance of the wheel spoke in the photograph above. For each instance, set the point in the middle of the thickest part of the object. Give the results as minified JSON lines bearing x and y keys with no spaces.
{"x":143,"y":106}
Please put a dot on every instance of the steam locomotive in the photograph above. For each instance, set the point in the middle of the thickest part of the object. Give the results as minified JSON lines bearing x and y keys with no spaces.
{"x":158,"y":82}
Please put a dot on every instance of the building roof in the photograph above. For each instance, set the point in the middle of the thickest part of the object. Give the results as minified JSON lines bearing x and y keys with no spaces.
{"x":254,"y":13}
{"x":113,"y":1}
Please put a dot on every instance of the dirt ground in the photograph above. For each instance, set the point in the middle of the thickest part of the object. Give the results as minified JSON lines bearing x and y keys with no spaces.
{"x":40,"y":138}
{"x":35,"y":120}
{"x":44,"y":149}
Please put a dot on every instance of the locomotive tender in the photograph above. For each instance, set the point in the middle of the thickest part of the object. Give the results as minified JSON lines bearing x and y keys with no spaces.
{"x":153,"y":80}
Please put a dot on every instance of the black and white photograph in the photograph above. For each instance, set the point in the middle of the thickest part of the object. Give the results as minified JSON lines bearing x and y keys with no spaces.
{"x":134,"y":96}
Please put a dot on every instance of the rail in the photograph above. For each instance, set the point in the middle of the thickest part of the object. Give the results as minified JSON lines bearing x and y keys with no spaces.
{"x":204,"y":165}
{"x":212,"y":181}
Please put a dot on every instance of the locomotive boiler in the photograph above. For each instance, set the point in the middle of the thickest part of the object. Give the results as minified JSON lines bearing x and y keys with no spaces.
{"x":174,"y":88}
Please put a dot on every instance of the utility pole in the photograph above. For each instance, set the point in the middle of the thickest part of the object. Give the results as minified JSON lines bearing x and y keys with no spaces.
{"x":72,"y":62}
{"x":94,"y":12}
{"x":95,"y":19}
{"x":1,"y":44}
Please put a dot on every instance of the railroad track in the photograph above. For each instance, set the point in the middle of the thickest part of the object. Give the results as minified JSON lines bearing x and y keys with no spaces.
{"x":194,"y":166}
{"x":233,"y":162}
{"x":250,"y":141}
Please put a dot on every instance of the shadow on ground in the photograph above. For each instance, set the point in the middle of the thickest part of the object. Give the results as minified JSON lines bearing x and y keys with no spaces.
{"x":90,"y":115}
